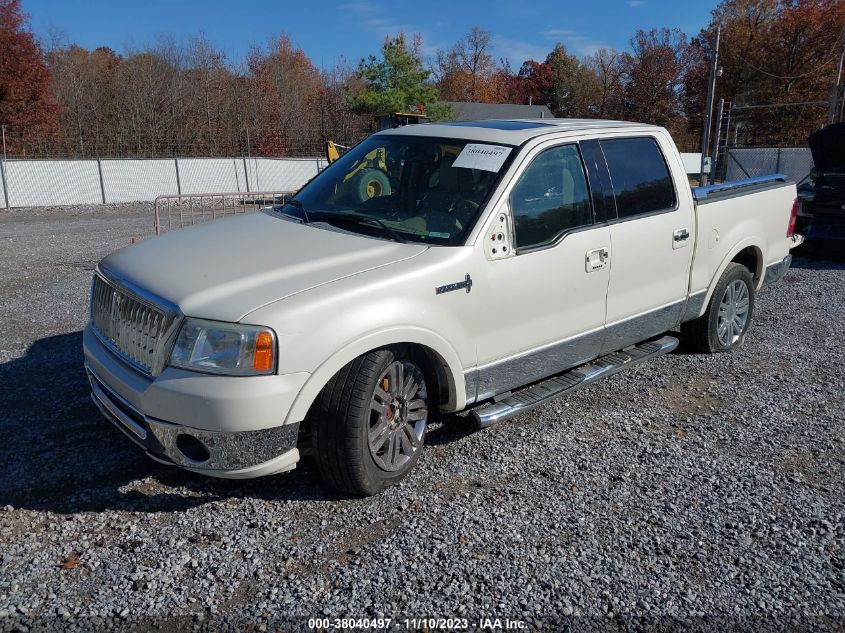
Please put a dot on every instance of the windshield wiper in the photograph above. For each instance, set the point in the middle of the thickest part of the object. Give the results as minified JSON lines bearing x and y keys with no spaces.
{"x":366,"y":221}
{"x":297,"y":205}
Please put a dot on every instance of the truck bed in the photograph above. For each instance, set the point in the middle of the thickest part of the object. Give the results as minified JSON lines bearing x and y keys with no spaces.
{"x":732,"y":216}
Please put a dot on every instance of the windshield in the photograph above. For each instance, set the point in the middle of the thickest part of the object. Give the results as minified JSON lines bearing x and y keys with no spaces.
{"x":404,"y":188}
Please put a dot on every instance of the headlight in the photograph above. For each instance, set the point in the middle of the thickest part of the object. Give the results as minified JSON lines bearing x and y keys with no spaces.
{"x":215,"y":347}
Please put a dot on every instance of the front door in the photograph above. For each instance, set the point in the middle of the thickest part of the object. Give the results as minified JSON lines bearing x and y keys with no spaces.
{"x":542,"y":310}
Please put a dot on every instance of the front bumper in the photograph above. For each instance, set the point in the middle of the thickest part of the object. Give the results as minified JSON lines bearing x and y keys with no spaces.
{"x":215,"y":425}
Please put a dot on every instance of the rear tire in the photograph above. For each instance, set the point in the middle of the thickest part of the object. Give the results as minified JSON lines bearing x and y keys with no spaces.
{"x":723,"y":326}
{"x":369,"y":422}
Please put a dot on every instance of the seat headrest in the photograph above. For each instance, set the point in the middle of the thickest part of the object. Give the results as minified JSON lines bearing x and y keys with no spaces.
{"x":448,"y":174}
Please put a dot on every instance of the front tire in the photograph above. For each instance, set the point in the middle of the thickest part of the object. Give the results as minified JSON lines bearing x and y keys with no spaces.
{"x":369,"y":422}
{"x":723,"y":326}
{"x":370,"y":183}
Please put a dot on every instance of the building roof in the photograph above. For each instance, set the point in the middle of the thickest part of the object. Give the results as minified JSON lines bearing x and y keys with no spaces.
{"x":469,"y":111}
{"x":510,"y":131}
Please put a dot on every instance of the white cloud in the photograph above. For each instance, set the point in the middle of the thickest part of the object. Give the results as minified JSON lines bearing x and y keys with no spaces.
{"x":516,"y":51}
{"x":387,"y":26}
{"x":580,"y":44}
{"x":551,"y":34}
{"x":371,"y":18}
{"x":383,"y":26}
{"x":359,"y":7}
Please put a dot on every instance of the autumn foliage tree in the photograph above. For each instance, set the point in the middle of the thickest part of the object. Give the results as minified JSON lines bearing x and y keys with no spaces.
{"x":26,"y":104}
{"x":574,"y":84}
{"x":509,"y":86}
{"x":283,"y":97}
{"x":772,"y":52}
{"x":185,"y":97}
{"x":654,"y":73}
{"x":466,"y":71}
{"x":536,"y":80}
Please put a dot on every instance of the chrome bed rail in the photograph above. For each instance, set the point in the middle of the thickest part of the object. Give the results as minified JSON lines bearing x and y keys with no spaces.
{"x":737,"y":187}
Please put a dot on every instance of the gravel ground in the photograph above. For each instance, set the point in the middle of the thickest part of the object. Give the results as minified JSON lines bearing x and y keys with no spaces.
{"x":693,"y":492}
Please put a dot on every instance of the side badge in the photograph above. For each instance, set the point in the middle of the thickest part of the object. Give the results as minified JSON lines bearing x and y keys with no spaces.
{"x":466,"y":283}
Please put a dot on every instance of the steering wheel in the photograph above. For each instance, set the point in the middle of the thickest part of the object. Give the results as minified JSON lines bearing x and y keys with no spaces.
{"x":464,"y":210}
{"x":465,"y":204}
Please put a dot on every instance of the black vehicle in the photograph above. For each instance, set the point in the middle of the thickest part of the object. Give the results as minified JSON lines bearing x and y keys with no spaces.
{"x":821,"y":214}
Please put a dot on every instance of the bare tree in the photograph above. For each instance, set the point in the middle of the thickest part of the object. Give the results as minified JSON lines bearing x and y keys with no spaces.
{"x":207,"y":67}
{"x":337,"y":121}
{"x":606,"y":65}
{"x":466,"y":71}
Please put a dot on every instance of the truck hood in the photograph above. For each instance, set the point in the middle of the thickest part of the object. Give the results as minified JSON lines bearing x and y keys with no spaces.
{"x":227,"y":268}
{"x":828,"y":148}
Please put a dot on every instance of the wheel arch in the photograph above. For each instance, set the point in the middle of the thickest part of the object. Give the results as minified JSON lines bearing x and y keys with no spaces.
{"x":747,"y":253}
{"x":752,"y":258}
{"x":443,"y":362}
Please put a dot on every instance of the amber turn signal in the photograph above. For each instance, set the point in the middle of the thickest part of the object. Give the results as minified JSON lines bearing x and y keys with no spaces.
{"x":262,"y":360}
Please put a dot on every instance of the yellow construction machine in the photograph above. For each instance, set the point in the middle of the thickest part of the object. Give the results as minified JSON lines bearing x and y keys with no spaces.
{"x":380,"y":122}
{"x":369,"y":178}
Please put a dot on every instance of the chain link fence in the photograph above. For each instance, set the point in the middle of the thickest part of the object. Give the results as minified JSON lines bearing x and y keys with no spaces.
{"x":154,"y":142}
{"x":58,"y":170}
{"x":45,"y":182}
{"x":748,"y":162}
{"x":756,"y":140}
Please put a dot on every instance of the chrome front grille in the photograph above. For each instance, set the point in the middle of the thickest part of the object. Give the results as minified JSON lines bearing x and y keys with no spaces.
{"x":135,"y":329}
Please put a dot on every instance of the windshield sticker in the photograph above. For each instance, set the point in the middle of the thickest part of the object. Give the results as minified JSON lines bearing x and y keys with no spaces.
{"x":444,"y":236}
{"x":485,"y":157}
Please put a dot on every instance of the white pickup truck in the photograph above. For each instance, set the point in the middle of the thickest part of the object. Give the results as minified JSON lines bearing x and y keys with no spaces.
{"x":432,"y":268}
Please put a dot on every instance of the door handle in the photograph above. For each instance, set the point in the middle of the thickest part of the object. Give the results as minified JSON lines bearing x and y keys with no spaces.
{"x":597,"y":259}
{"x":681,"y":235}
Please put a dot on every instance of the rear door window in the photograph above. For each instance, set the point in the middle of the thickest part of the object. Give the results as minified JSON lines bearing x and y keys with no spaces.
{"x":641,"y":180}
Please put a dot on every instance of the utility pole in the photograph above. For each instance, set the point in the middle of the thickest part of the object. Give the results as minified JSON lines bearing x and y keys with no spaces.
{"x":708,"y":112}
{"x":715,"y":159}
{"x":3,"y":170}
{"x":836,"y":92}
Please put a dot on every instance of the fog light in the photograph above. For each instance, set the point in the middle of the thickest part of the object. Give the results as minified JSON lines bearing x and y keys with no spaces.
{"x":192,"y":448}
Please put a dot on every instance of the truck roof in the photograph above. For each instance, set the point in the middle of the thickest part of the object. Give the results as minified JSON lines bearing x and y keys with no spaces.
{"x":511,"y":131}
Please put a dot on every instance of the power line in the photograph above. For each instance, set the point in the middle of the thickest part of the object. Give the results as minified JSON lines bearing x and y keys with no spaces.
{"x":833,"y":56}
{"x":779,"y":105}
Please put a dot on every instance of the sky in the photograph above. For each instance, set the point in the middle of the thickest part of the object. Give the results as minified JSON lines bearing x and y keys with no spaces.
{"x":328,"y":31}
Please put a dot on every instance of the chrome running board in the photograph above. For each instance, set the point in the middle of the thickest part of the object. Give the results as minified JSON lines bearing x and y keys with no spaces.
{"x":513,"y":403}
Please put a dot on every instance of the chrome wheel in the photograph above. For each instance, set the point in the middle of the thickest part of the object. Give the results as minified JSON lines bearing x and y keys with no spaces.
{"x":399,"y":412}
{"x":733,"y":313}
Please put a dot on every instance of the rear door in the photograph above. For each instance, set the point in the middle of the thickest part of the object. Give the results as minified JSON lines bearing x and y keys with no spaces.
{"x":651,"y":240}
